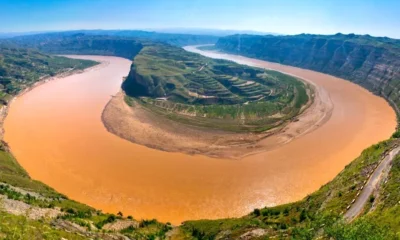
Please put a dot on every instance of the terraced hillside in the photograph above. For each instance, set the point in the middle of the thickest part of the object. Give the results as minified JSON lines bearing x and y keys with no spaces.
{"x":318,"y":216}
{"x":201,"y":91}
{"x":372,"y":62}
{"x":20,"y":68}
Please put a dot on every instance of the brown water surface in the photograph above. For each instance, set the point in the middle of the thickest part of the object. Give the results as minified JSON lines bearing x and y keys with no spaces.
{"x":55,"y":132}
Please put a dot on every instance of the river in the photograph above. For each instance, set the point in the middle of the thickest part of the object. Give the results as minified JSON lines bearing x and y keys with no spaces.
{"x":56,"y":133}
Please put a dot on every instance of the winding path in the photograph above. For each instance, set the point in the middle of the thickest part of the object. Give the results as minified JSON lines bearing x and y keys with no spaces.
{"x":371,"y":185}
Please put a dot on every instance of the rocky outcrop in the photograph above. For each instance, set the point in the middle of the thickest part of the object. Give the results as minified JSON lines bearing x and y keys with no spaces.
{"x":371,"y":62}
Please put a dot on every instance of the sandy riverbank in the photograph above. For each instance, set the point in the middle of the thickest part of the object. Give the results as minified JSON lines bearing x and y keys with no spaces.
{"x":139,"y":125}
{"x":56,"y":133}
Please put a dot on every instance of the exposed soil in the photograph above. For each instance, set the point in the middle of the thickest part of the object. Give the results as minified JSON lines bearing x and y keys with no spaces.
{"x":142,"y":126}
{"x":120,"y":224}
{"x":20,"y":208}
{"x":56,"y":133}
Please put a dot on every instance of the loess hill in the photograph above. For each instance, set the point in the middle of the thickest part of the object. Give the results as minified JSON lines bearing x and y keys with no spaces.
{"x":372,"y":62}
{"x":184,"y":86}
{"x":369,"y":61}
{"x":193,"y":89}
{"x":20,"y":68}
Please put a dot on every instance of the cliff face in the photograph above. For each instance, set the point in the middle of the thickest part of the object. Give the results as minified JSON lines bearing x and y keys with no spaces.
{"x":81,"y":44}
{"x":374,"y":63}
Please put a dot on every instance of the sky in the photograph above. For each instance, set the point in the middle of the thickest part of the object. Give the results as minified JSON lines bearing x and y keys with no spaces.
{"x":374,"y":17}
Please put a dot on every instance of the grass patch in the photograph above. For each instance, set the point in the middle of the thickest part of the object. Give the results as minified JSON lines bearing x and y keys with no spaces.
{"x":321,"y":210}
{"x":200,"y":91}
{"x":19,"y":227}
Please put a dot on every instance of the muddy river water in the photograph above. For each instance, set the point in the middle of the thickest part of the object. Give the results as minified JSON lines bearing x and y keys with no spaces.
{"x":55,"y":132}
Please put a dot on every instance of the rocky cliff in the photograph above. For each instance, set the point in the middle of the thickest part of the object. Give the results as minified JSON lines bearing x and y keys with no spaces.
{"x":82,"y":44}
{"x":372,"y":62}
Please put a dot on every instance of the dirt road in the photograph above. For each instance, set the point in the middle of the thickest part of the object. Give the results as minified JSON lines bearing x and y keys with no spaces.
{"x":371,"y":185}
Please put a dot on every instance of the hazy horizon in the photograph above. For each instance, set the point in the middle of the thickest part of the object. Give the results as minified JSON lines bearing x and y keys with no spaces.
{"x":376,"y":18}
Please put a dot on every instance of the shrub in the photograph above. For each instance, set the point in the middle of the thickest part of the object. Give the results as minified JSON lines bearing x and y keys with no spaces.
{"x":371,"y":199}
{"x":257,"y":212}
{"x":303,"y":215}
{"x":396,"y":134}
{"x":286,"y":212}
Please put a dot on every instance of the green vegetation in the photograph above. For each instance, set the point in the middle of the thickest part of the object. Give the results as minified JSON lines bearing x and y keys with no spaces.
{"x":320,"y":214}
{"x":80,"y":44}
{"x":20,"y":68}
{"x":175,"y":39}
{"x":13,"y":179}
{"x":39,"y":40}
{"x":121,"y":43}
{"x":196,"y":90}
{"x":208,"y":48}
{"x":372,"y":62}
{"x":147,"y":229}
{"x":19,"y":227}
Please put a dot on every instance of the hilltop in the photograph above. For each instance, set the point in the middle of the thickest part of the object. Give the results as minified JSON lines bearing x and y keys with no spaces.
{"x":187,"y":84}
{"x":226,"y":107}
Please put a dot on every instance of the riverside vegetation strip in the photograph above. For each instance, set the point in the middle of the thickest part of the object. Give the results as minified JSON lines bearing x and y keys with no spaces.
{"x":29,"y":209}
{"x":320,"y":215}
{"x":21,"y":68}
{"x":290,"y":221}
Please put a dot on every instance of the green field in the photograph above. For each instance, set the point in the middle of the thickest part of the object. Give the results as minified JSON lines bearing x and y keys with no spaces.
{"x":190,"y":88}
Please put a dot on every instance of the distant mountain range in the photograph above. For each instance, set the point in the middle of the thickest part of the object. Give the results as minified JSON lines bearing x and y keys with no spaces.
{"x":16,"y":34}
{"x":177,"y":39}
{"x":208,"y":31}
{"x":189,"y":31}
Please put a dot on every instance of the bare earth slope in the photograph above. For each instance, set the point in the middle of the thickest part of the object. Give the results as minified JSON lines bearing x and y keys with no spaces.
{"x":56,"y":133}
{"x":150,"y":124}
{"x":139,"y":125}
